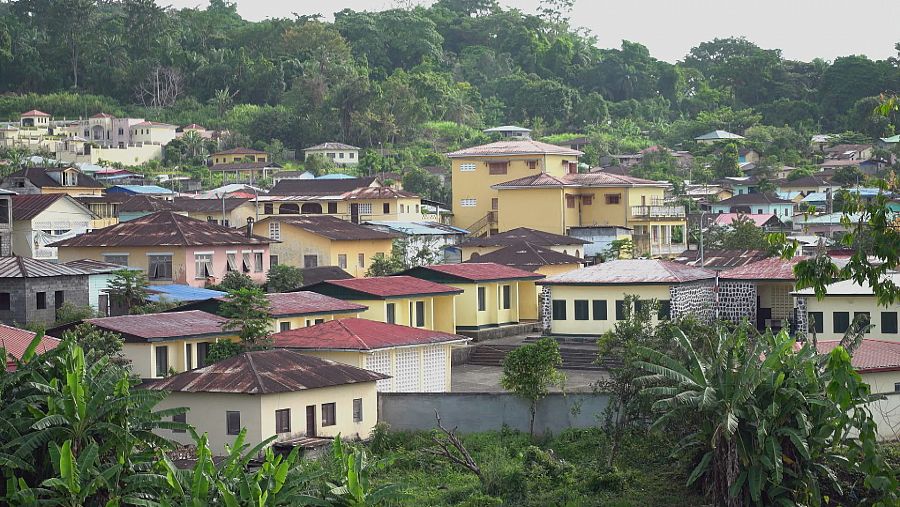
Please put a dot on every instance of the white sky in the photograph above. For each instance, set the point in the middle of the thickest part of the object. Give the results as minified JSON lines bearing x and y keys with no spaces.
{"x":802,"y":29}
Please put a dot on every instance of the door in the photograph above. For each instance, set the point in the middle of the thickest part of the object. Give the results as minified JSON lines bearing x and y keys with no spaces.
{"x":354,"y":213}
{"x":103,"y":305}
{"x":310,"y":420}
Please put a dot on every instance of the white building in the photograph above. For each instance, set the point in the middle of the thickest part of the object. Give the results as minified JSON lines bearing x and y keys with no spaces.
{"x":339,"y":153}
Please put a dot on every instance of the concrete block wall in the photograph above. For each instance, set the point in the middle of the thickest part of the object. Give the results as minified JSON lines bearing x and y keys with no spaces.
{"x":23,"y":297}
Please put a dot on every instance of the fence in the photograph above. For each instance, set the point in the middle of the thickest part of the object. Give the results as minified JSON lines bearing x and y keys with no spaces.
{"x":474,"y":412}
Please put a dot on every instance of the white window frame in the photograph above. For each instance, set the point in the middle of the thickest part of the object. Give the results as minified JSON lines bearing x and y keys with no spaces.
{"x":365,"y":208}
{"x":275,"y":231}
{"x":468,"y":203}
{"x":207,"y":259}
{"x":467,"y":167}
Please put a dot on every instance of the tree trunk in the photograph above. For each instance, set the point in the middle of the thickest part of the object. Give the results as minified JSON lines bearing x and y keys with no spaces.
{"x":531,"y":423}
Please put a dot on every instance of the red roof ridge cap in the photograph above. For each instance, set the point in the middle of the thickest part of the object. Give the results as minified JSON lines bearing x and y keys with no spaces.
{"x":355,"y":336}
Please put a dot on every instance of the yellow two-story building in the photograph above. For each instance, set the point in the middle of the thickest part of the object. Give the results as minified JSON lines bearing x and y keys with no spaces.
{"x":398,"y":300}
{"x":558,"y":203}
{"x":308,"y":241}
{"x":475,"y":170}
{"x":354,"y":199}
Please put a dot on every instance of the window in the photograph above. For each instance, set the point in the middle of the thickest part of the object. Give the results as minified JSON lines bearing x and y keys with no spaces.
{"x":342,"y":261}
{"x":386,"y":208}
{"x":332,"y":208}
{"x":328,"y":414}
{"x":245,"y":261}
{"x":613,"y":198}
{"x":160,"y":267}
{"x":391,"y":311}
{"x":162,"y":360}
{"x":269,"y":209}
{"x":231,"y":261}
{"x":570,"y":201}
{"x":330,"y":155}
{"x":897,"y":387}
{"x":581,"y":309}
{"x":620,"y":309}
{"x":181,"y":419}
{"x":4,"y":301}
{"x":203,"y":264}
{"x":864,"y":319}
{"x":4,"y":211}
{"x":310,"y":261}
{"x":357,"y":410}
{"x":341,"y":154}
{"x":188,"y":356}
{"x":482,"y":299}
{"x":283,"y":420}
{"x":361,"y":260}
{"x":587,"y":200}
{"x":507,"y":297}
{"x":284,"y":326}
{"x":599,"y":308}
{"x":120,"y":259}
{"x":559,"y":309}
{"x":59,"y":298}
{"x":532,"y":164}
{"x":639,"y":307}
{"x":817,"y":321}
{"x":202,"y":352}
{"x":889,"y":322}
{"x":841,"y":322}
{"x":232,"y":422}
{"x":466,"y":167}
{"x":351,"y":154}
{"x":41,"y":300}
{"x":257,"y":262}
{"x":121,"y":131}
{"x":497,"y":168}
{"x":468,"y":203}
{"x":275,"y":231}
{"x":420,"y":313}
{"x":365,"y":208}
{"x":665,"y":310}
{"x":495,"y":203}
{"x":319,"y":321}
{"x":273,"y":261}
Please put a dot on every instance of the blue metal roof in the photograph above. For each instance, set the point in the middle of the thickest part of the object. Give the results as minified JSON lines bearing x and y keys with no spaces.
{"x":139,"y":189}
{"x":790,"y":196}
{"x":335,"y":176}
{"x":179,"y":293}
{"x":419,"y":228}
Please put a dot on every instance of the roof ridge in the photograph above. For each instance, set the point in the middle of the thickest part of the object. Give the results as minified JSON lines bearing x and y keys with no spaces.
{"x":21,"y":262}
{"x":177,"y":226}
{"x":353,"y":334}
{"x":249,"y":357}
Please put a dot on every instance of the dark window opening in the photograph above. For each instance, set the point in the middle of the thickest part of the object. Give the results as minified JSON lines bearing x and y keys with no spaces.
{"x":599,"y":309}
{"x":41,"y":300}
{"x":581,"y":309}
{"x":817,"y":321}
{"x":889,"y":322}
{"x":283,"y":420}
{"x":232,"y":422}
{"x":841,"y":322}
{"x":620,"y":309}
{"x":559,"y":309}
{"x":329,"y":416}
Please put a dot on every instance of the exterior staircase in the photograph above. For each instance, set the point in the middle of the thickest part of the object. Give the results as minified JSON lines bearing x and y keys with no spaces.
{"x":574,"y":358}
{"x":483,"y":226}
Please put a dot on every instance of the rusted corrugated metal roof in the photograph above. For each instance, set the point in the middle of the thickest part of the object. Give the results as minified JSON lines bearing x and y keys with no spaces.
{"x":516,"y":147}
{"x":382,"y":287}
{"x":139,"y":203}
{"x":265,"y":372}
{"x":528,"y":257}
{"x":321,"y":186}
{"x":308,"y":302}
{"x":96,"y":267}
{"x":872,"y":355}
{"x":519,"y":234}
{"x":28,"y":206}
{"x":721,"y":259}
{"x":26,"y":267}
{"x":161,"y":326}
{"x":359,"y":334}
{"x":163,"y":228}
{"x":631,"y":272}
{"x":332,"y":227}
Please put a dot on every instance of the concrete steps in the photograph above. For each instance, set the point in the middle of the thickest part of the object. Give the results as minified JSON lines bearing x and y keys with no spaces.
{"x":573,"y":358}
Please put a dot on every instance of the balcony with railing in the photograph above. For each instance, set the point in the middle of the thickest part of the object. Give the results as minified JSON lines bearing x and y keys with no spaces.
{"x":657,"y":211}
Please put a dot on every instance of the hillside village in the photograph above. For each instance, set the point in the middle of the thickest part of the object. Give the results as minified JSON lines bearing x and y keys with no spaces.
{"x":516,"y":290}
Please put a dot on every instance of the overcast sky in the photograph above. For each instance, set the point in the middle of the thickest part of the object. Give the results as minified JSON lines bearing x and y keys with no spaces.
{"x":802,"y":29}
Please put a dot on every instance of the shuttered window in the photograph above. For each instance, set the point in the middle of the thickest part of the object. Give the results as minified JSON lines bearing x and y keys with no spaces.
{"x":497,"y":168}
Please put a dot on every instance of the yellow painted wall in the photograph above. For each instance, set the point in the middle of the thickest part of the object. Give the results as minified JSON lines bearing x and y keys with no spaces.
{"x":543,"y":209}
{"x":831,"y":304}
{"x":399,"y":209}
{"x":468,"y":315}
{"x":207,"y":413}
{"x":439,"y":314}
{"x":137,"y":258}
{"x":143,"y":355}
{"x":477,"y":184}
{"x":609,"y":293}
{"x":73,"y":191}
{"x":529,"y":292}
{"x":308,"y":320}
{"x":231,"y":158}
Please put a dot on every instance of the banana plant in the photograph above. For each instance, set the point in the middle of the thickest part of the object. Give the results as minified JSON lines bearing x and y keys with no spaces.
{"x":78,"y":478}
{"x":355,"y":488}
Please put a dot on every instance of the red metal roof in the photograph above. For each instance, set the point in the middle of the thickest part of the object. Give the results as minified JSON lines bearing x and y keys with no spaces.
{"x":160,"y":326}
{"x":240,"y":151}
{"x":265,"y":372}
{"x":34,"y":112}
{"x":16,"y":341}
{"x":514,"y":147}
{"x":307,"y":302}
{"x":359,"y":334}
{"x":773,"y":268}
{"x":163,"y":228}
{"x":393,"y":286}
{"x":631,"y":272}
{"x":871,"y":356}
{"x":103,"y":115}
{"x":482,"y":271}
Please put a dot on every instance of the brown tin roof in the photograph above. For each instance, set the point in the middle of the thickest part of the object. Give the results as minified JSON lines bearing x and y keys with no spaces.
{"x":331,"y":227}
{"x":514,"y":147}
{"x":631,"y":272}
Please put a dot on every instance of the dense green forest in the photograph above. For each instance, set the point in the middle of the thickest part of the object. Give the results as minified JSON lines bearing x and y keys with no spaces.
{"x":431,"y":76}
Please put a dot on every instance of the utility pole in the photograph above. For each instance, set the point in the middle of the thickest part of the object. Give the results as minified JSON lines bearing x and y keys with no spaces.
{"x":702,"y":259}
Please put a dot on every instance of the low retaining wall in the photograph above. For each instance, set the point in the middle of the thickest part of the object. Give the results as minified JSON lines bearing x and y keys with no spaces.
{"x":474,"y":412}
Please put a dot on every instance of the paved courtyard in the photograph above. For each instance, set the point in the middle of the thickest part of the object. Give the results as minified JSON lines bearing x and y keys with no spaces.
{"x":470,"y":378}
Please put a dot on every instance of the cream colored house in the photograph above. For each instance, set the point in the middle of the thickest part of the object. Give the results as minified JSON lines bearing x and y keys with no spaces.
{"x":159,"y":344}
{"x":41,"y":219}
{"x":417,"y":360}
{"x":878,"y":363}
{"x":830,"y":317}
{"x":339,"y":153}
{"x":272,"y":393}
{"x":308,"y":241}
{"x":590,"y":301}
{"x":52,"y":180}
{"x":152,"y":132}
